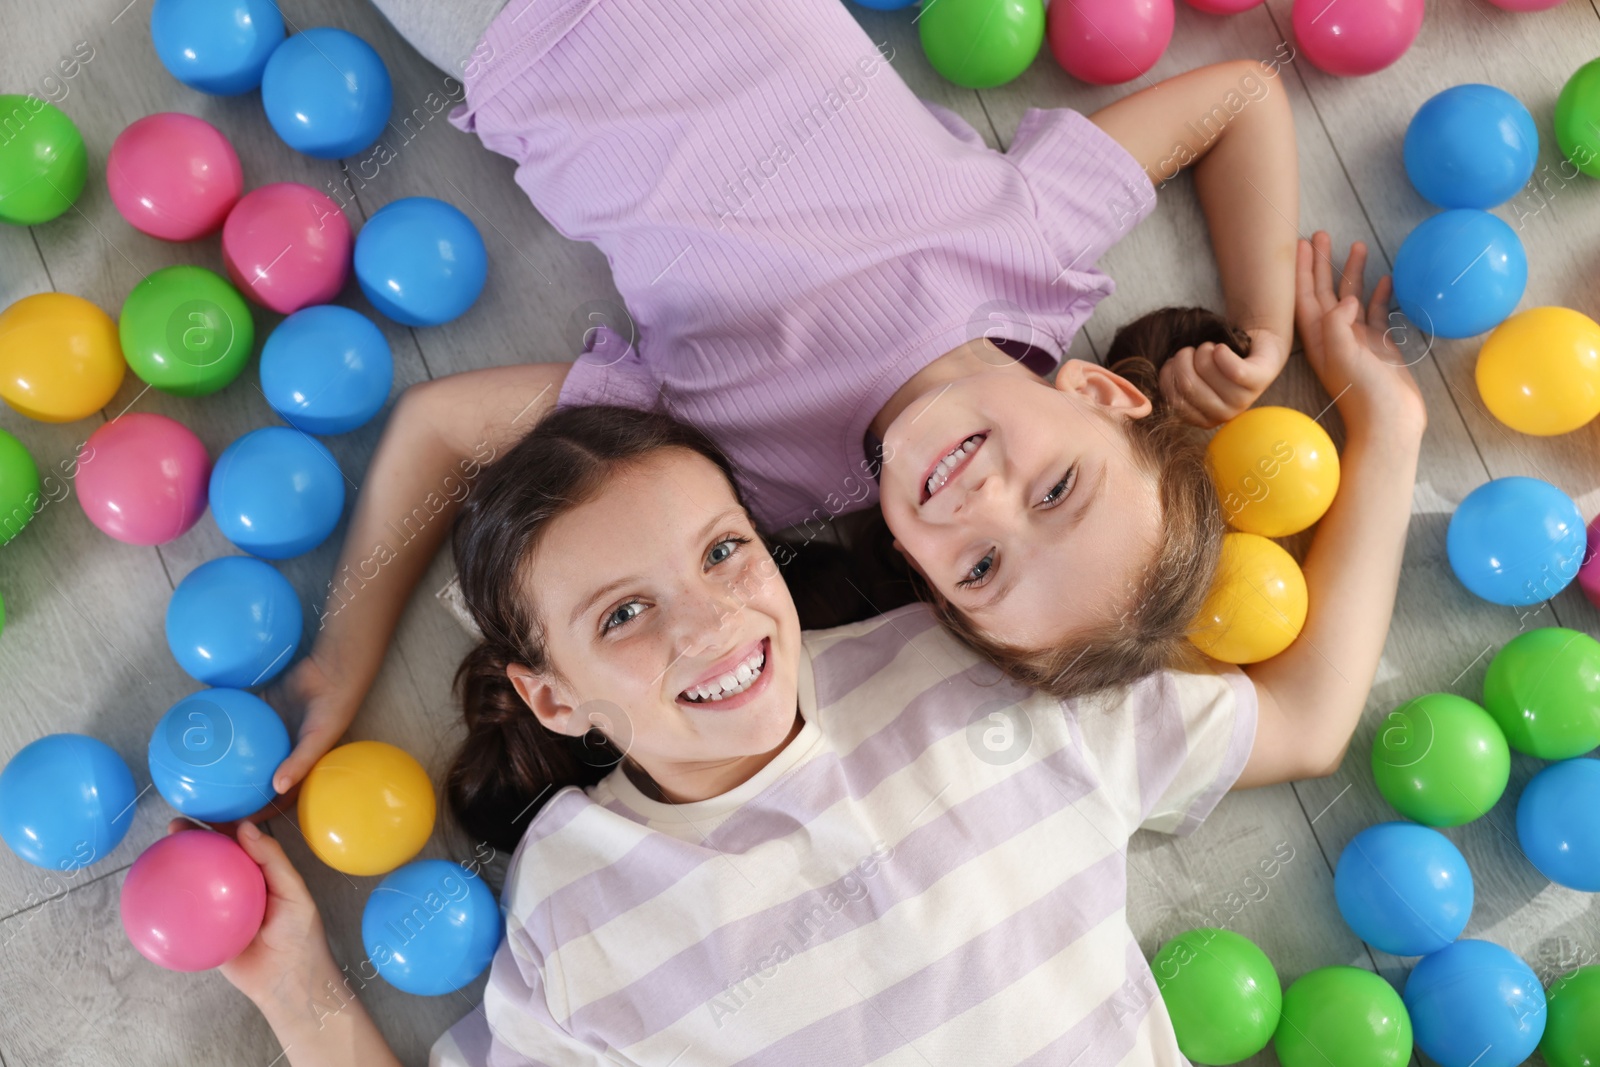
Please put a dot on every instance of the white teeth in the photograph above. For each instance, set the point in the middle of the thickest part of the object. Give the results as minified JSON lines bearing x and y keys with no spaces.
{"x":731,"y":684}
{"x":941,"y":473}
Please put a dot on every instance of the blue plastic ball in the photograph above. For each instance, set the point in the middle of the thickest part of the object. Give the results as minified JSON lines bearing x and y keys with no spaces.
{"x":234,"y":622}
{"x":1460,"y":273}
{"x":216,"y":46}
{"x":1475,"y":1004}
{"x":327,"y":93}
{"x":1403,"y":888}
{"x":66,"y":800}
{"x":213,"y":754}
{"x":1516,"y":541}
{"x":1558,"y":823}
{"x":421,"y":261}
{"x":277,"y":493}
{"x":326,"y":369}
{"x":431,"y":926}
{"x":1471,"y":146}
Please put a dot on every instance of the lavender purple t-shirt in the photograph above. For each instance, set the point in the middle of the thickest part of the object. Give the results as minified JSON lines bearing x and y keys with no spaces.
{"x":793,"y":231}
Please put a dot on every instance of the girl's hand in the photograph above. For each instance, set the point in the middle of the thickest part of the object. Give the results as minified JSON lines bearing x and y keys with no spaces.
{"x":1211,"y":383}
{"x":325,"y":706}
{"x":1353,"y":356}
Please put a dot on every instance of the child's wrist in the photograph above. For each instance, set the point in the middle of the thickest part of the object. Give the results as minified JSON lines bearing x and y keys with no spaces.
{"x":302,"y":1000}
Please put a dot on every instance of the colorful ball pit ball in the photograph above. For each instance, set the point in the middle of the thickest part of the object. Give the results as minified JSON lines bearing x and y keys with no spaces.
{"x":19,"y":487}
{"x":1224,"y":7}
{"x":234,"y":622}
{"x":142,"y":479}
{"x":1441,"y":759}
{"x":1475,"y":1004}
{"x":287,"y":246}
{"x":193,"y":901}
{"x":1471,"y":146}
{"x":421,"y":261}
{"x":366,"y":808}
{"x":1257,"y":604}
{"x":1543,"y":689}
{"x":186,"y":331}
{"x":1107,"y":42}
{"x":43,"y":165}
{"x":1342,"y":1017}
{"x":1588,"y":574}
{"x":174,"y":176}
{"x":1355,"y":37}
{"x":455,"y":941}
{"x":60,"y":360}
{"x":66,"y":800}
{"x":277,"y":493}
{"x":326,"y":93}
{"x":979,"y":44}
{"x":1539,"y":371}
{"x":1403,"y":888}
{"x":1577,"y":119}
{"x":326,"y":370}
{"x":1572,"y":1030}
{"x":1515,"y":541}
{"x":1222,"y":994}
{"x":213,"y":754}
{"x":1275,"y":469}
{"x":1460,"y":273}
{"x":1558,"y":823}
{"x":216,"y":46}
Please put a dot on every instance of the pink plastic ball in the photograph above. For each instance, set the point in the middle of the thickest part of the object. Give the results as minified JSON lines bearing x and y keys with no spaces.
{"x":143,"y":478}
{"x":1224,"y":7}
{"x":193,"y":901}
{"x":1526,"y":5}
{"x":1108,"y":42}
{"x":1589,"y":573}
{"x":287,"y":246}
{"x":174,"y":176}
{"x":1353,"y":37}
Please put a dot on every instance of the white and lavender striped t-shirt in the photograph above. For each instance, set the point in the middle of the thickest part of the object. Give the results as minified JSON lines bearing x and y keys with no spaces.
{"x":931,"y":872}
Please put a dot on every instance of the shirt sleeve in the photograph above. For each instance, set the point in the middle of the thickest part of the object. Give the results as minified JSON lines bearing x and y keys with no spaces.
{"x":960,"y":127}
{"x":610,"y":371}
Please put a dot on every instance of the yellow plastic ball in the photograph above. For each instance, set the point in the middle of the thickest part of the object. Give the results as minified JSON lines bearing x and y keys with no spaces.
{"x":60,"y":360}
{"x":366,"y":808}
{"x":1257,"y":603}
{"x":1539,"y":371}
{"x":1275,"y":469}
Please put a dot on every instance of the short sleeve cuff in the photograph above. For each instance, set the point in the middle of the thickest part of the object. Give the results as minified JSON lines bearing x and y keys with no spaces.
{"x":1240,"y":743}
{"x":610,"y":371}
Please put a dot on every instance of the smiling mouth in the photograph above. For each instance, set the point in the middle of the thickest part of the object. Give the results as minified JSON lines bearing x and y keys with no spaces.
{"x":746,"y":673}
{"x":951,"y":462}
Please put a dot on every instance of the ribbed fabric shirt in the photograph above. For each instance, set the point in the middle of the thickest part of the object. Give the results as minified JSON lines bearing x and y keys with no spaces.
{"x":793,"y":231}
{"x":933,"y":870}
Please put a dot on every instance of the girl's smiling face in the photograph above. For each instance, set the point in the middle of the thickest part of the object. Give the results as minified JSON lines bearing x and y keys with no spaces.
{"x":668,"y":625}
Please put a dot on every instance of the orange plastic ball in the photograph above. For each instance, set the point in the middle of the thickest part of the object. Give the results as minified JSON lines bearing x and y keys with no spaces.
{"x":1257,"y":603}
{"x":366,"y":808}
{"x":60,"y":360}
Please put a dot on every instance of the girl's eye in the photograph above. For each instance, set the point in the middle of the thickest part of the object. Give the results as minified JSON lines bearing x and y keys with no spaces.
{"x":624,"y":614}
{"x":1061,"y":488}
{"x":980,"y":573}
{"x":723,"y":549}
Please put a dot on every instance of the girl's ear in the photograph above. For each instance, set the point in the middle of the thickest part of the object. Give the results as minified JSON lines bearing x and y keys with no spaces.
{"x":549,"y":704}
{"x":1098,"y":385}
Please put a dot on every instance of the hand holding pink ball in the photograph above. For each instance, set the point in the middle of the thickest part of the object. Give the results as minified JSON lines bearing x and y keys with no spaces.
{"x":143,"y":478}
{"x":287,"y":246}
{"x":1107,"y":42}
{"x":1354,"y":37}
{"x":173,"y":176}
{"x":193,"y":901}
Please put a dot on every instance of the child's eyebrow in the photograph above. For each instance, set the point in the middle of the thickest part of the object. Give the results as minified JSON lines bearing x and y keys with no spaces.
{"x":720,"y":518}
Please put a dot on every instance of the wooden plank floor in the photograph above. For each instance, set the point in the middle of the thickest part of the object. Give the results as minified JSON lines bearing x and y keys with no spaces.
{"x":83,"y":648}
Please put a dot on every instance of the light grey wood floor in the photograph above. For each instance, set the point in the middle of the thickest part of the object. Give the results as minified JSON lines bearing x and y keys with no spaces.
{"x":83,"y":648}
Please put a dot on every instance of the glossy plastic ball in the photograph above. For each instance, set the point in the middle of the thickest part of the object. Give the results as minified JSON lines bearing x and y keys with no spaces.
{"x":1515,"y":541}
{"x":1558,"y":823}
{"x":216,"y":46}
{"x":1403,"y":888}
{"x":1539,"y":371}
{"x":326,"y":369}
{"x":1224,"y":7}
{"x":20,"y":497}
{"x":1108,"y":42}
{"x":1589,"y":573}
{"x":366,"y":808}
{"x":1543,"y":688}
{"x":186,"y":331}
{"x":1475,"y":1004}
{"x":66,"y":800}
{"x":174,"y":176}
{"x":1572,"y":1030}
{"x":327,"y":93}
{"x":1441,"y":759}
{"x":1471,"y":146}
{"x":421,"y":261}
{"x":1257,"y":604}
{"x":60,"y":360}
{"x":43,"y":163}
{"x":287,"y":246}
{"x":431,"y":927}
{"x":1577,"y":118}
{"x":142,"y":478}
{"x":234,"y":622}
{"x":1222,"y":994}
{"x":1276,"y":471}
{"x":213,"y":754}
{"x":277,"y":493}
{"x":193,"y":901}
{"x":1342,"y":1017}
{"x":1355,"y":37}
{"x":1460,"y":273}
{"x":980,"y":44}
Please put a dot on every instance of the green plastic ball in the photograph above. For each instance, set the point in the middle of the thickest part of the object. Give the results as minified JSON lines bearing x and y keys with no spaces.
{"x":1343,"y":1017}
{"x":1577,"y":118}
{"x":43,"y":163}
{"x":979,"y":44}
{"x":186,"y":331}
{"x":1440,"y":759}
{"x":1221,"y":992}
{"x":1543,"y":688}
{"x":1572,"y":1020}
{"x":19,"y":487}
